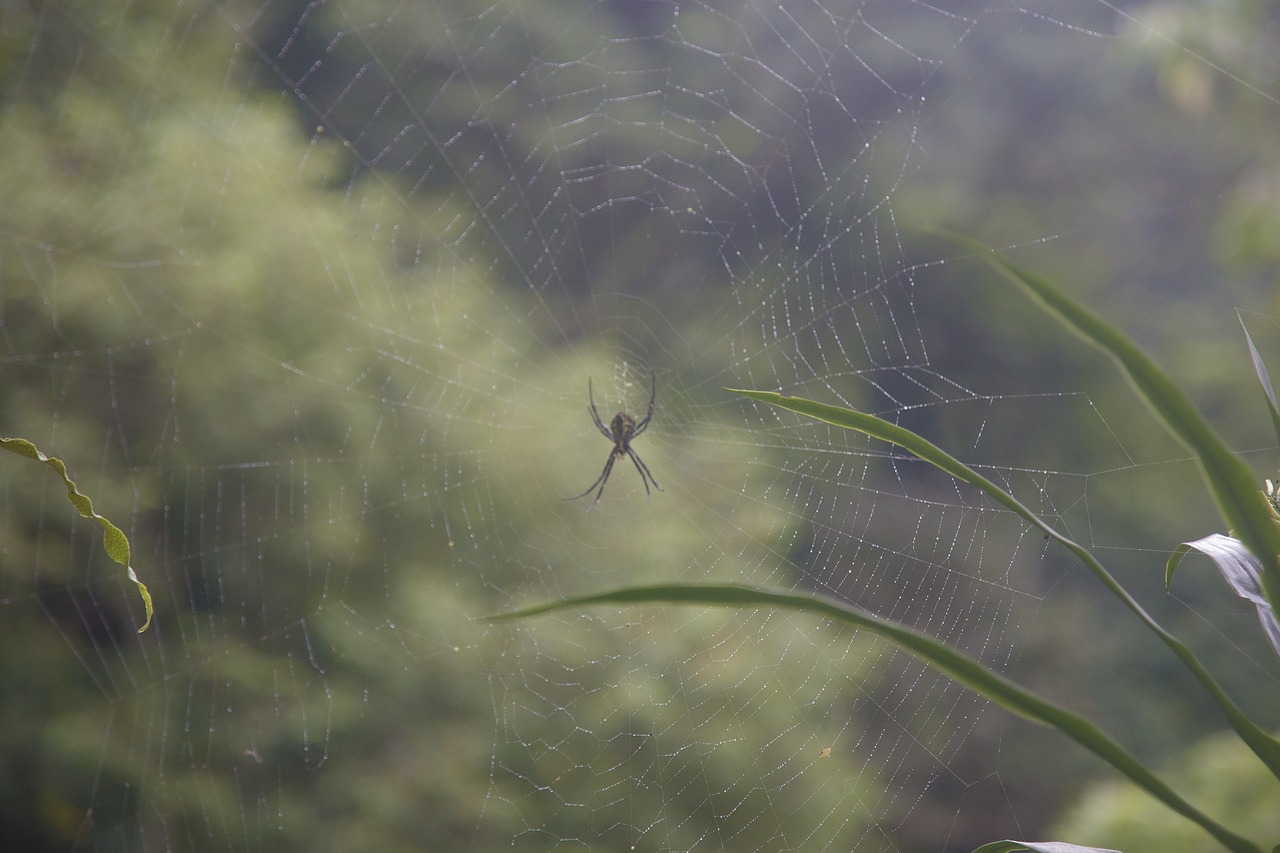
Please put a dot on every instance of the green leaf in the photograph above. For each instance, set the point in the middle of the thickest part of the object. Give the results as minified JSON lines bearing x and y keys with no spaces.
{"x":116,"y":543}
{"x":1231,"y":482}
{"x":1261,"y":742}
{"x":1175,"y":560}
{"x":1263,"y":378}
{"x":1039,"y":847}
{"x":1240,"y":569}
{"x":904,"y":438}
{"x":963,"y":669}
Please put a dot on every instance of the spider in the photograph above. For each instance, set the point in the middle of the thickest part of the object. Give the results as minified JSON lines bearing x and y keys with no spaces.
{"x":621,"y":431}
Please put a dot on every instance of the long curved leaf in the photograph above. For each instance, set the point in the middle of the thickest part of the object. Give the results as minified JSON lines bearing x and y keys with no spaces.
{"x":1261,"y":742}
{"x":116,"y":543}
{"x":1233,"y":485}
{"x":1260,"y":369}
{"x":961,"y":668}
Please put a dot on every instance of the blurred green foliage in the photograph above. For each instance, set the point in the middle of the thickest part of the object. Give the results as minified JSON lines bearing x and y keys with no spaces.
{"x":293,"y":407}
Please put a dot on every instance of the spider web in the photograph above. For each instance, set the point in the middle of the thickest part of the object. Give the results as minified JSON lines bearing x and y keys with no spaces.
{"x":309,"y":297}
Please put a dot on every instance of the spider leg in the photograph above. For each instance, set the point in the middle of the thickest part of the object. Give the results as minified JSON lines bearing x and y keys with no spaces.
{"x":644,"y":472}
{"x":595,"y":415}
{"x":600,"y":481}
{"x":653,"y":395}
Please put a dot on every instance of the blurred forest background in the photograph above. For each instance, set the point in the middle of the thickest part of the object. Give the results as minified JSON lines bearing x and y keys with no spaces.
{"x":307,"y":296}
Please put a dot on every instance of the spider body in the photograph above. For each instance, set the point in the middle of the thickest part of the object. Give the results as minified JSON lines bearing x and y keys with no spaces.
{"x":620,"y":431}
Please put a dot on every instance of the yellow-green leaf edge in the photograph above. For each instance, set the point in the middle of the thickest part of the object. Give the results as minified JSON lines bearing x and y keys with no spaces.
{"x":113,"y":539}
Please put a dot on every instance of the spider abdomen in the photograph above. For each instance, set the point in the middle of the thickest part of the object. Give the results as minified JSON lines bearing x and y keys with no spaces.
{"x":623,"y":428}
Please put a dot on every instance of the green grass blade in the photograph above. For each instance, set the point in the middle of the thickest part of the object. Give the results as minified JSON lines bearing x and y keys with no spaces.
{"x":1233,"y":485}
{"x":116,"y":543}
{"x":1261,"y":742}
{"x":959,"y":667}
{"x":904,"y":438}
{"x":1264,"y":379}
